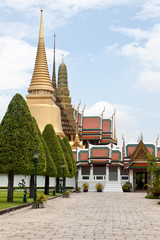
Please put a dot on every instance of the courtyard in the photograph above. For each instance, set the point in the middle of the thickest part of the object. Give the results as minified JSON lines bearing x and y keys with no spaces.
{"x":89,"y":216}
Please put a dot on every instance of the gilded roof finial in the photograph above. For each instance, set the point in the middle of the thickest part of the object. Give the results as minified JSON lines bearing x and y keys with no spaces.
{"x":78,"y":106}
{"x":103,"y":112}
{"x":157,"y":140}
{"x":83,"y":110}
{"x":62,"y":58}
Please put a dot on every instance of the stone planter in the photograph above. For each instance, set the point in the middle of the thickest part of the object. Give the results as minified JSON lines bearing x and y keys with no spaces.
{"x":37,"y":205}
{"x":85,"y":190}
{"x":66,"y":196}
{"x":99,"y":190}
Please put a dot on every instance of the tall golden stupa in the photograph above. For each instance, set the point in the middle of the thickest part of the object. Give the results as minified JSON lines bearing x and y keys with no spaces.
{"x":40,"y":98}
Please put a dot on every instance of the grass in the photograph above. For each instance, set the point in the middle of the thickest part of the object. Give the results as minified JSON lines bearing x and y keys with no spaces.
{"x":18,"y":198}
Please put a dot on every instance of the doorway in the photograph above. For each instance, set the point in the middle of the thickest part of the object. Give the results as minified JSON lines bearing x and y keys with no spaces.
{"x":141,"y":180}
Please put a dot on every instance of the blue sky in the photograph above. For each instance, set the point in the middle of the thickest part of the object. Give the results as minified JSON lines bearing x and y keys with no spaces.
{"x":111,"y":50}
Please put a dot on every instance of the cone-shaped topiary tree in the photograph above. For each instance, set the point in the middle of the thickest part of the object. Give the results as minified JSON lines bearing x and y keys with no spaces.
{"x":66,"y":141}
{"x":67,"y":157}
{"x":56,"y":152}
{"x":18,"y":141}
{"x":51,"y":170}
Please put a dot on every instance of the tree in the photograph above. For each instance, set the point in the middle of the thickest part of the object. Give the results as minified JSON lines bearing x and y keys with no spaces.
{"x":51,"y":170}
{"x":18,"y":141}
{"x":56,"y":152}
{"x":154,"y":171}
{"x":66,"y":141}
{"x":67,"y":157}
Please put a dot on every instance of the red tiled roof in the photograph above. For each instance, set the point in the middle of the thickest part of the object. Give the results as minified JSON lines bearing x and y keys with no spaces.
{"x":91,"y":123}
{"x":115,"y":156}
{"x":150,"y":149}
{"x":75,"y":156}
{"x":131,"y":150}
{"x":100,"y":152}
{"x":158,"y":154}
{"x":106,"y":126}
{"x":84,"y":156}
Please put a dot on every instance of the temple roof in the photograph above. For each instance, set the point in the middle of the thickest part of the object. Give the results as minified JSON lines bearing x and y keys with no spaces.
{"x":62,"y":75}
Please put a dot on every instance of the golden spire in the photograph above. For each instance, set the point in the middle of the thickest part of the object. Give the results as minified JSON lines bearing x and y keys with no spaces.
{"x":115,"y":139}
{"x":41,"y":83}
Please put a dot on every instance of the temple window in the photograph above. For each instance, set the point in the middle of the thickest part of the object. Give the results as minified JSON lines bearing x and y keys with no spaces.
{"x":85,"y":170}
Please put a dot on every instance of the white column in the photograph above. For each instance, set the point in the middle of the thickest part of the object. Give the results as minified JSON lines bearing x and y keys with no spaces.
{"x":91,"y":173}
{"x":80,"y":174}
{"x":107,"y":173}
{"x":119,"y":174}
{"x":131,"y":177}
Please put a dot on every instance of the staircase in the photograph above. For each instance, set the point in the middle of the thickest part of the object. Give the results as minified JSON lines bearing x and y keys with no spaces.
{"x":112,"y":186}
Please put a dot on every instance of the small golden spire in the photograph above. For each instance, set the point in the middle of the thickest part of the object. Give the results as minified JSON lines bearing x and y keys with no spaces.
{"x":62,"y":58}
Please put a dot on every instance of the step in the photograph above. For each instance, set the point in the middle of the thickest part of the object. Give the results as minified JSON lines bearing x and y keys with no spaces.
{"x":112,"y":186}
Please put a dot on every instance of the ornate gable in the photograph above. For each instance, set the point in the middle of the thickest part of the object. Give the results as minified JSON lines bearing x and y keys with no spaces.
{"x":140,"y":153}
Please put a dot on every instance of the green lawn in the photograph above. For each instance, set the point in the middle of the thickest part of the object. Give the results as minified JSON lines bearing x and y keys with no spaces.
{"x":18,"y":198}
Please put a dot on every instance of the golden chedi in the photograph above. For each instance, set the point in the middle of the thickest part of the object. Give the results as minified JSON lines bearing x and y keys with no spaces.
{"x":40,"y":98}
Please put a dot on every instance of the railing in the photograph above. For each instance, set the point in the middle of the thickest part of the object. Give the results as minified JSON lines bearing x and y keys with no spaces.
{"x":99,"y":177}
{"x":95,"y":177}
{"x":85,"y":177}
{"x":124,"y":178}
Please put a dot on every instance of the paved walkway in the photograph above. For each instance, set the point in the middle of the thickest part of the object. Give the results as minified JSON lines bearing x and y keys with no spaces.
{"x":86,"y":216}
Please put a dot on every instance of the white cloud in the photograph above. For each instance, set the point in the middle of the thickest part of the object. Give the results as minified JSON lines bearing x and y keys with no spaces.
{"x":136,"y":33}
{"x":150,"y":10}
{"x":63,"y":5}
{"x":4,"y":101}
{"x":17,"y":59}
{"x":59,"y":11}
{"x":110,"y":48}
{"x":149,"y":80}
{"x":145,"y":54}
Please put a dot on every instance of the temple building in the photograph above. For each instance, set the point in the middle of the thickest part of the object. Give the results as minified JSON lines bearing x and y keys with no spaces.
{"x":40,"y":98}
{"x":93,"y":139}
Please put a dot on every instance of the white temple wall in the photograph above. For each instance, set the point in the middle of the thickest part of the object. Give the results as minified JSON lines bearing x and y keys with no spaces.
{"x":70,"y":182}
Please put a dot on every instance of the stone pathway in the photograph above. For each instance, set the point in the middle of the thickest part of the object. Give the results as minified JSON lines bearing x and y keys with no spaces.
{"x":92,"y":216}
